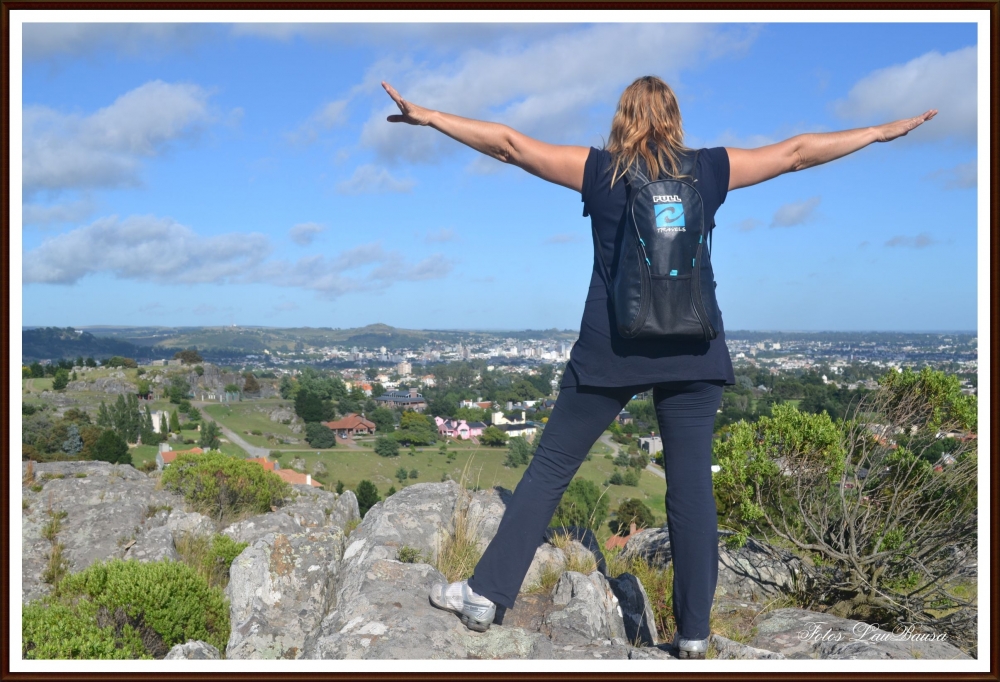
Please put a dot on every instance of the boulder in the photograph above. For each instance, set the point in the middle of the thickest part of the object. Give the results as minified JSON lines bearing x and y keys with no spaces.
{"x":727,"y":649}
{"x":155,"y":544}
{"x":590,"y":610}
{"x":798,"y":633}
{"x":106,"y":509}
{"x":194,"y":650}
{"x":279,"y":590}
{"x":755,"y":571}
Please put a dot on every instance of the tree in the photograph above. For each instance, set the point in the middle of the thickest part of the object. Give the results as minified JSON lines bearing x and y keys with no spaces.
{"x":288,"y":387}
{"x":383,"y":419}
{"x":891,"y":531}
{"x":199,"y":370}
{"x":320,"y":436}
{"x":188,"y":357}
{"x":104,"y":416}
{"x":61,"y":380}
{"x":367,"y":495}
{"x":402,"y":474}
{"x":493,"y":437}
{"x":37,"y":371}
{"x":631,"y":511}
{"x":110,"y":447}
{"x":147,"y":434}
{"x":178,"y":390}
{"x":311,"y":407}
{"x":415,"y":429}
{"x":90,"y":362}
{"x":518,"y":452}
{"x":414,"y":473}
{"x":73,"y":443}
{"x":79,"y":361}
{"x":581,"y":505}
{"x":209,"y":439}
{"x":142,"y":387}
{"x":386,"y":446}
{"x":164,"y":425}
{"x":175,"y":422}
{"x":250,"y":384}
{"x":232,"y":388}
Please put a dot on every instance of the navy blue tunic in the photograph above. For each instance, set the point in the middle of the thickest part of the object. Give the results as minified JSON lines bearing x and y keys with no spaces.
{"x":601,"y":357}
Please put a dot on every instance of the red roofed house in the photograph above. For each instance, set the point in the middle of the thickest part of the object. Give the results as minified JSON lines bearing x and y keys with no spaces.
{"x":264,"y":462}
{"x":351,"y":424}
{"x":619,"y":541}
{"x":165,"y":457}
{"x":295,"y":478}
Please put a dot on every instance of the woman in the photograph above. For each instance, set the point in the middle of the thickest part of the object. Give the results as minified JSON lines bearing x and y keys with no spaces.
{"x":606,"y":370}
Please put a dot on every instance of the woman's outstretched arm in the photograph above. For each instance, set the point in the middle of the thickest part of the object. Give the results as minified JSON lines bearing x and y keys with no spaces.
{"x":750,"y":166}
{"x":559,"y":164}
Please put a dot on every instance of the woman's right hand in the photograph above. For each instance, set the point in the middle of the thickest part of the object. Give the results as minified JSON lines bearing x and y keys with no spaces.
{"x":409,"y":112}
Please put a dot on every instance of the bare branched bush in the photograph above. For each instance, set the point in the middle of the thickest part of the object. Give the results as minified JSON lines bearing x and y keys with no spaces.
{"x":883,"y":502}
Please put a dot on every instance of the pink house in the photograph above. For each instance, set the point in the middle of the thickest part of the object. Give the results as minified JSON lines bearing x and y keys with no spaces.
{"x":459,"y":429}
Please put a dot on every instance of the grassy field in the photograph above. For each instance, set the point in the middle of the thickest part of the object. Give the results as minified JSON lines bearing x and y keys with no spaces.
{"x":486,"y":470}
{"x":246,"y":417}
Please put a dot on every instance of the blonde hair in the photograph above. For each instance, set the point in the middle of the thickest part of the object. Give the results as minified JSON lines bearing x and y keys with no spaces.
{"x":647,"y":123}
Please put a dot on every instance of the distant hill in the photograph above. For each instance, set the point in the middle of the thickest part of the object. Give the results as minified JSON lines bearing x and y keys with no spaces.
{"x":52,"y":343}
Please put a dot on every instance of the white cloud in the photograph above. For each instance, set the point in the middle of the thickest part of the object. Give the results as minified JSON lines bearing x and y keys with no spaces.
{"x":962,"y":176}
{"x":795,"y":213}
{"x":160,"y":250}
{"x":328,"y":116}
{"x":303,"y":234}
{"x":946,"y":82}
{"x":920,"y":241}
{"x":50,"y":40}
{"x":144,"y":248}
{"x":63,"y":151}
{"x":368,"y":267}
{"x":748,"y":224}
{"x":565,"y":238}
{"x":371,"y":179}
{"x":439,"y":236}
{"x":66,"y":212}
{"x":546,"y":88}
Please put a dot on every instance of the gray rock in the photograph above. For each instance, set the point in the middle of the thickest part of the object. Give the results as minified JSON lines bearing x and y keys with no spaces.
{"x":155,"y":544}
{"x":180,"y":522}
{"x":637,"y":613}
{"x":307,"y":511}
{"x":106,"y":509}
{"x":755,"y":571}
{"x":194,"y":650}
{"x":727,"y":649}
{"x":797,"y":633}
{"x":279,"y":590}
{"x":590,"y":612}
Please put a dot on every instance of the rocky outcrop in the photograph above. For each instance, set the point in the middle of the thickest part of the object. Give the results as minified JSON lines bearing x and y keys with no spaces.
{"x":307,"y":586}
{"x":194,"y":650}
{"x":107,"y":508}
{"x":798,"y":633}
{"x":756,"y":571}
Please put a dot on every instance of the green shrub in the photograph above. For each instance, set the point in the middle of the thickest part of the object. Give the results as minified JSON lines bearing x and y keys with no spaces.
{"x":210,"y":555}
{"x":224,"y":487}
{"x":410,"y":555}
{"x":124,"y":610}
{"x":320,"y":436}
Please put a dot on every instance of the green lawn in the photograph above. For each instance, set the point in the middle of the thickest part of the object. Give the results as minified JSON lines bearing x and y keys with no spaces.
{"x":143,"y":453}
{"x":485,"y":470}
{"x":245,"y":417}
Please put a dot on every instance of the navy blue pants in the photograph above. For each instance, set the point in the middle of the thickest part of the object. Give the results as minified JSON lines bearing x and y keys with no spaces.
{"x":686,"y":414}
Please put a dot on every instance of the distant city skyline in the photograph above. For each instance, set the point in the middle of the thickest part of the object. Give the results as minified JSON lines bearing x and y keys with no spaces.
{"x":218,"y":174}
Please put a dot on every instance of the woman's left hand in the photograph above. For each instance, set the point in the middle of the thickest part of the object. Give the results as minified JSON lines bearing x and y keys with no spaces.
{"x":409,"y":112}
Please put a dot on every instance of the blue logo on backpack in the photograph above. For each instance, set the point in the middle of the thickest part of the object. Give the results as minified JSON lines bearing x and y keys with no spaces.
{"x":670,"y":216}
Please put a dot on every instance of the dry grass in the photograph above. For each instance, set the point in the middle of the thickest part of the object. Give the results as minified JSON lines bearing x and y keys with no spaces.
{"x":458,"y":556}
{"x":546,"y":581}
{"x":658,"y":583}
{"x":350,"y":526}
{"x":29,"y":472}
{"x":58,"y":565}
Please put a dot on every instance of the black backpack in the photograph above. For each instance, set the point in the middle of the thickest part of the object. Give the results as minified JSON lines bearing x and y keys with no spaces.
{"x":661,"y":289}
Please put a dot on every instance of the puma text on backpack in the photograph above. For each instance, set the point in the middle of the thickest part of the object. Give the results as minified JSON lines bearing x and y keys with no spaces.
{"x":658,"y":289}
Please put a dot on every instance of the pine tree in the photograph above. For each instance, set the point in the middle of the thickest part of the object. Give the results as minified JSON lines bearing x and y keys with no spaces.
{"x":164,"y":424}
{"x":175,"y":422}
{"x":104,"y":418}
{"x":73,"y":443}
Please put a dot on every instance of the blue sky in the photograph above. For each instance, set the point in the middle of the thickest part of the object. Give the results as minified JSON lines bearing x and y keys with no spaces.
{"x":204,"y":174}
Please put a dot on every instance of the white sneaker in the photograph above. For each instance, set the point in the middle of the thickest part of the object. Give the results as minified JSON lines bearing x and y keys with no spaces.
{"x":476,"y":611}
